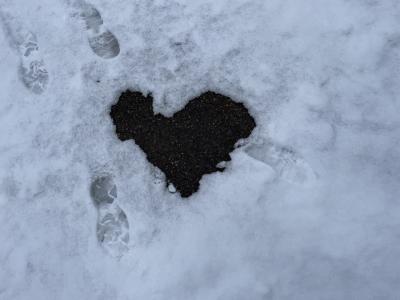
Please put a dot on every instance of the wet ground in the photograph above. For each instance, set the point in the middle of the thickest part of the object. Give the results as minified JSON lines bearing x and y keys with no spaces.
{"x":189,"y":144}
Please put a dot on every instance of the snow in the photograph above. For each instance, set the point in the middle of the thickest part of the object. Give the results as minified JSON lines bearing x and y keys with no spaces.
{"x":307,"y":209}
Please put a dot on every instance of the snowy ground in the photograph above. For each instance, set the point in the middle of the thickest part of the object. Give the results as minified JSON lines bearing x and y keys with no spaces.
{"x":308,"y":209}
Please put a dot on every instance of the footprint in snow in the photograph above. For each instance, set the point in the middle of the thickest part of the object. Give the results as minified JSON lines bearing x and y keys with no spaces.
{"x":112,"y":224}
{"x":101,"y":40}
{"x":32,"y":69}
{"x":288,"y":165}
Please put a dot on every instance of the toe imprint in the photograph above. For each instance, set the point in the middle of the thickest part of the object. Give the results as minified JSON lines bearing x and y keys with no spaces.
{"x":103,"y":190}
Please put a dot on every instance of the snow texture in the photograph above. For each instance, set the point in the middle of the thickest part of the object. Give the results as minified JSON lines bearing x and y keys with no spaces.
{"x":309,"y":206}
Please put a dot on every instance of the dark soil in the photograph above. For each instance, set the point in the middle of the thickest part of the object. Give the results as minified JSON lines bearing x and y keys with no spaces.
{"x":189,"y":144}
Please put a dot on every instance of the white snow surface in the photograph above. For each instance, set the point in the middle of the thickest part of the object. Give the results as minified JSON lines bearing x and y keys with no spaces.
{"x":308,"y":208}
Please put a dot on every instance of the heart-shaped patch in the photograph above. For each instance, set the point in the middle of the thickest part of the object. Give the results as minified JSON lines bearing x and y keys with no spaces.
{"x":189,"y":144}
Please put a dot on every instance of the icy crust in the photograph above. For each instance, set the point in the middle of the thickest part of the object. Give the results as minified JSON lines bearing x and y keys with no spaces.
{"x":307,"y":209}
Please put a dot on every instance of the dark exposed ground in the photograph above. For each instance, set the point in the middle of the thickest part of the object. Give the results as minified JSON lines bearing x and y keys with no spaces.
{"x":189,"y":144}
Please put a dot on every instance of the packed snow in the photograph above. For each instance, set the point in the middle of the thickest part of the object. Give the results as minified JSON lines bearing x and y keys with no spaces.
{"x":309,"y":206}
